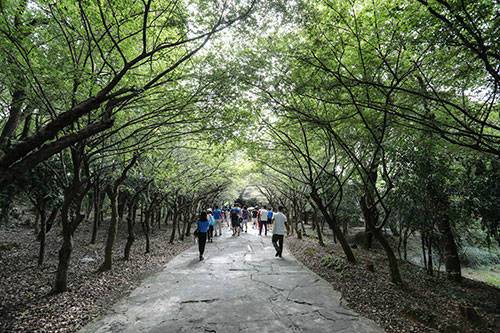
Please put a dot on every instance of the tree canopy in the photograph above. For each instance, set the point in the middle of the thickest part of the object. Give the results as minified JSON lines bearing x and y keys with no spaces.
{"x":382,"y":114}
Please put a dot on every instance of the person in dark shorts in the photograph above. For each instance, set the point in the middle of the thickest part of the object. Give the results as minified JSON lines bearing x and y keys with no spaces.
{"x":234,"y":214}
{"x":254,"y":217}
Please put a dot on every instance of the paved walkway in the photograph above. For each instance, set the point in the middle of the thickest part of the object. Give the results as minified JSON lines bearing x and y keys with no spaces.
{"x":239,"y":287}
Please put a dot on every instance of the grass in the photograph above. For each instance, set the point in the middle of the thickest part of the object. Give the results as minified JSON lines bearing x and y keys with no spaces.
{"x":489,"y":275}
{"x":475,"y":257}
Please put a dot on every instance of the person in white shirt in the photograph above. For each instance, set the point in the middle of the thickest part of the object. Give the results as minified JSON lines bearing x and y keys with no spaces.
{"x":263,"y":220}
{"x":279,"y":231}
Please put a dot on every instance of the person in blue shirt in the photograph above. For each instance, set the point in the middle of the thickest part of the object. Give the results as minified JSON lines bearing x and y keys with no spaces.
{"x":217,"y":214}
{"x":203,"y":225}
{"x":235,"y":219}
{"x":211,"y":223}
{"x":270,"y":216}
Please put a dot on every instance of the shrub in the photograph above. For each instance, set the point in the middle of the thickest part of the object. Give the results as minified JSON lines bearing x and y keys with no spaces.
{"x":310,"y":251}
{"x":332,"y":262}
{"x":473,"y":257}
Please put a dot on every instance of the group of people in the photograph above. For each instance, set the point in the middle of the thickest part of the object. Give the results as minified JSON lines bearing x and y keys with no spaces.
{"x":211,"y":221}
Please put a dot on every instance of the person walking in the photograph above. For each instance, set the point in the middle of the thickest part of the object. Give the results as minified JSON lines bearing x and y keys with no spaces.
{"x":263,"y":220}
{"x":202,"y":230}
{"x":245,"y":214}
{"x":279,"y":228}
{"x":211,"y":223}
{"x":227,"y":217}
{"x":254,"y":217}
{"x":270,"y":216}
{"x":217,"y":213}
{"x":235,"y":214}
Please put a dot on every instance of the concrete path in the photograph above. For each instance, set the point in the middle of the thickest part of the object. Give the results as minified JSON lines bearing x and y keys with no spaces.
{"x":239,"y":287}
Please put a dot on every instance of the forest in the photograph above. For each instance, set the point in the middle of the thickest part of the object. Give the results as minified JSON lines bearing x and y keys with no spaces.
{"x":376,"y":124}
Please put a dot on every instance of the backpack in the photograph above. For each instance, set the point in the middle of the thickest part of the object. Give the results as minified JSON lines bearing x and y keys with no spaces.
{"x":270,"y":214}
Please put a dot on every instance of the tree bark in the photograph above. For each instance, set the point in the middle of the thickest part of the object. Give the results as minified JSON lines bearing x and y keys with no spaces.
{"x":112,"y":192}
{"x":16,"y":104}
{"x":112,"y":228}
{"x":122,"y":204}
{"x":18,"y":88}
{"x":18,"y":166}
{"x":332,"y":223}
{"x":73,"y":195}
{"x":318,"y":229}
{"x":430,"y":266}
{"x":27,"y":126}
{"x":146,"y":230}
{"x":175,"y":216}
{"x":377,"y":233}
{"x":97,"y":210}
{"x":450,"y":251}
{"x":130,"y":228}
{"x":61,"y":282}
{"x":42,"y":234}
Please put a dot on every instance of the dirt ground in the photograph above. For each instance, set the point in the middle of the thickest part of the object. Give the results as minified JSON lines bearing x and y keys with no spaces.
{"x":425,"y":304}
{"x":24,"y":302}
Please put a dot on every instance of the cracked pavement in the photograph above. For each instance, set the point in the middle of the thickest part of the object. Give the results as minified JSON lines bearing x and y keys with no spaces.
{"x":239,"y":287}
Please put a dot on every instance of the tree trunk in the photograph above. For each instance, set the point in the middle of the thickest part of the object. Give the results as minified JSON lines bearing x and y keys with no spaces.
{"x":5,"y":202}
{"x":146,"y":229}
{"x":122,"y":204}
{"x":451,"y":258}
{"x":141,"y":217}
{"x":318,"y":229}
{"x":112,"y":228}
{"x":61,"y":281}
{"x":112,"y":191}
{"x":37,"y":225}
{"x":424,"y":256}
{"x":27,"y":125}
{"x":130,"y":229}
{"x":393,"y":261}
{"x":16,"y":104}
{"x":430,"y":266}
{"x":370,"y":216}
{"x":158,"y":217}
{"x":405,"y":244}
{"x":181,"y":234}
{"x":73,"y":197}
{"x":303,"y":228}
{"x":97,"y":211}
{"x":42,"y":235}
{"x":377,"y":233}
{"x":292,"y":227}
{"x":175,"y":217}
{"x":334,"y":226}
{"x":345,"y":226}
{"x":167,"y":215}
